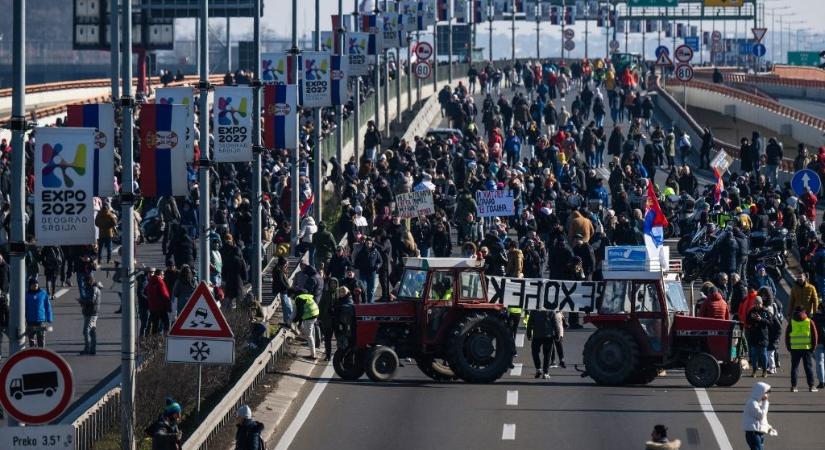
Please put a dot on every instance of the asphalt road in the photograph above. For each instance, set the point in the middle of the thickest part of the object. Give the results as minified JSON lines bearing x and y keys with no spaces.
{"x":812,"y":107}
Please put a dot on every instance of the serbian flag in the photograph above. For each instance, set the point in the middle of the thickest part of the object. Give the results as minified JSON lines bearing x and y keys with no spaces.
{"x":306,"y":206}
{"x":338,"y":77}
{"x":281,"y":116}
{"x":720,"y":186}
{"x":655,"y":219}
{"x":101,"y":117}
{"x":163,"y":150}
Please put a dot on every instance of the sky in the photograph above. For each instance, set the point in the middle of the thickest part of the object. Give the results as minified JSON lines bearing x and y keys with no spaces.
{"x":277,"y":24}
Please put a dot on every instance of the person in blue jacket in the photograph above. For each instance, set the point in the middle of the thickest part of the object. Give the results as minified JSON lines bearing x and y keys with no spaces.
{"x":38,"y":314}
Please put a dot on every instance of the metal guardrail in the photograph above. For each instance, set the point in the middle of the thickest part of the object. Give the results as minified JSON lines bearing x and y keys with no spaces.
{"x":79,"y":84}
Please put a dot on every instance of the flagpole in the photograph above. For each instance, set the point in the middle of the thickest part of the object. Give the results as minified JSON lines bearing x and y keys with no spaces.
{"x":317,"y":174}
{"x":127,"y":249}
{"x":257,"y":239}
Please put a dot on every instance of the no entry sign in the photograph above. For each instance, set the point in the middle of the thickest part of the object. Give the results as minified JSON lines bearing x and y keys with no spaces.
{"x":37,"y":386}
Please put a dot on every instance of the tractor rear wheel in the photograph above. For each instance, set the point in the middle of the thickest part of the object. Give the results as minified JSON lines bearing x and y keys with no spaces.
{"x":729,"y":374}
{"x":437,"y":369}
{"x":382,"y":362}
{"x":348,"y":363}
{"x":480,"y":348}
{"x":702,"y":370}
{"x":611,"y":356}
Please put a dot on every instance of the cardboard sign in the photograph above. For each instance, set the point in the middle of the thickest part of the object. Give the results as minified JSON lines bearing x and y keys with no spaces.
{"x":415,"y":204}
{"x":721,"y":161}
{"x":495,"y":203}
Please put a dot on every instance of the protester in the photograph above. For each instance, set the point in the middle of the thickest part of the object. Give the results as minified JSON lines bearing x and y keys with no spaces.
{"x":755,"y":416}
{"x":165,"y":432}
{"x":800,"y":339}
{"x":38,"y":314}
{"x":90,"y":306}
{"x":248,"y":433}
{"x":659,"y":440}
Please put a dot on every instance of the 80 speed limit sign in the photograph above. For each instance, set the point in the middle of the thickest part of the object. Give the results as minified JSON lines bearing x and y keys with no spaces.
{"x":422,"y":70}
{"x":684,"y":72}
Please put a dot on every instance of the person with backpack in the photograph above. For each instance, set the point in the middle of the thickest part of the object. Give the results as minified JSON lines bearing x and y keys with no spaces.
{"x":165,"y":432}
{"x":90,"y":304}
{"x":248,"y":434}
{"x":52,"y":259}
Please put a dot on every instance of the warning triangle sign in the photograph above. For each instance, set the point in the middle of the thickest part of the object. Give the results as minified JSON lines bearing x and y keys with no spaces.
{"x":663,"y":60}
{"x":759,"y":33}
{"x":201,"y":317}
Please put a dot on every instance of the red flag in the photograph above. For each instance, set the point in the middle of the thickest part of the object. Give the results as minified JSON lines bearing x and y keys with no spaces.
{"x":658,"y":218}
{"x":307,"y":204}
{"x":720,"y":186}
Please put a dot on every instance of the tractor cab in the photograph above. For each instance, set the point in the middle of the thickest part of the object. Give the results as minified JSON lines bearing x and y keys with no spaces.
{"x":440,"y":318}
{"x":644,"y":326}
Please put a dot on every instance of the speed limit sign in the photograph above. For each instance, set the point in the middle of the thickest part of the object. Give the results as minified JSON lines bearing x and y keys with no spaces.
{"x":422,"y":70}
{"x":684,"y":72}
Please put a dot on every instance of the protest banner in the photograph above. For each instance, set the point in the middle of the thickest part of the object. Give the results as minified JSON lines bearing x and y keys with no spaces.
{"x":415,"y":204}
{"x":495,"y":203}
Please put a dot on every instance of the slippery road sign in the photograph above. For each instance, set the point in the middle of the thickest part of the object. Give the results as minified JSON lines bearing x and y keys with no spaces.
{"x":201,"y":317}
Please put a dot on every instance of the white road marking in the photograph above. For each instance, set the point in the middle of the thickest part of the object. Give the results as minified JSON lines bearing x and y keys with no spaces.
{"x":60,"y":292}
{"x":303,"y":413}
{"x":519,"y":340}
{"x":508,"y":432}
{"x":516,"y":370}
{"x":512,"y":398}
{"x":715,"y":425}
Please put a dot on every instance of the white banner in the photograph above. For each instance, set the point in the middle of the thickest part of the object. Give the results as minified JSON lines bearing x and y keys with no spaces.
{"x":409,"y":10}
{"x":415,"y":204}
{"x":495,"y":203}
{"x":357,"y":48}
{"x":542,"y":294}
{"x":64,"y":180}
{"x":232,"y":115}
{"x":461,"y":10}
{"x":181,"y":96}
{"x":315,"y":80}
{"x":274,"y":68}
{"x":392,"y":31}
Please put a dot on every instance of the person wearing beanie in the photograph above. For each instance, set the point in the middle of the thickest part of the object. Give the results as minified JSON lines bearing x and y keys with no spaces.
{"x":248,"y":434}
{"x":164,"y":431}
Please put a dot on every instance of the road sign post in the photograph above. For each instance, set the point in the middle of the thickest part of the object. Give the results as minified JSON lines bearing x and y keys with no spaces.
{"x":200,"y":335}
{"x":37,"y":386}
{"x":43,"y":437}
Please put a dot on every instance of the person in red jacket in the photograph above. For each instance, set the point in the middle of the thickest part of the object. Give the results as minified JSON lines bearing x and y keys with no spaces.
{"x":157,"y":296}
{"x":715,"y":307}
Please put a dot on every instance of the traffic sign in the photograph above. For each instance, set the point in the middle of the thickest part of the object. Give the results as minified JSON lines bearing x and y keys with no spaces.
{"x":200,"y":351}
{"x":44,"y":437}
{"x":692,"y":42}
{"x":759,"y":50}
{"x":759,"y":33}
{"x":664,"y":60}
{"x":614,"y":45}
{"x":806,"y":178}
{"x":201,"y":317}
{"x":569,"y":45}
{"x":662,"y":49}
{"x":717,"y":47}
{"x":37,"y":386}
{"x":423,"y":51}
{"x":683,"y":53}
{"x":716,"y":36}
{"x":569,"y":34}
{"x":422,"y":70}
{"x":684,"y":72}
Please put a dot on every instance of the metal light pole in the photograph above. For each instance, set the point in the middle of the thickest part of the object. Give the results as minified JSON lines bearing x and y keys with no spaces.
{"x":490,"y":12}
{"x":339,"y":110}
{"x":203,"y":179}
{"x":435,"y":57}
{"x":409,"y":71}
{"x":386,"y":81}
{"x":228,"y":47}
{"x":257,"y":239}
{"x":294,"y":183}
{"x":450,"y":47}
{"x":114,"y":49}
{"x":563,"y":22}
{"x":587,"y":28}
{"x":417,"y":80}
{"x":376,"y":75}
{"x":317,"y":174}
{"x":356,"y":91}
{"x":513,"y":32}
{"x":127,"y":249}
{"x":538,"y":23}
{"x":17,"y":241}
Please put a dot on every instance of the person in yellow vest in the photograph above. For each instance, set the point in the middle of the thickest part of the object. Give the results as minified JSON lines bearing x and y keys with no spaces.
{"x":513,"y":318}
{"x":443,"y":290}
{"x":801,"y":339}
{"x":306,"y":315}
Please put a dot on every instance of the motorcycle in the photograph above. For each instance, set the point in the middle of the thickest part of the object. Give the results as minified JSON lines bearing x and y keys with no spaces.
{"x":152,"y":226}
{"x":695,"y":263}
{"x":699,"y":238}
{"x":770,"y":251}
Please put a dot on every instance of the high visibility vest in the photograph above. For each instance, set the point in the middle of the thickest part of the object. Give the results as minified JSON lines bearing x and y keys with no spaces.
{"x":801,"y":334}
{"x":310,"y":307}
{"x":514,"y":310}
{"x":447,"y":295}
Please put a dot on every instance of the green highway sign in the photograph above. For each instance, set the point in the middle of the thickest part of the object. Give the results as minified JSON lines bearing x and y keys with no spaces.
{"x":803,"y":58}
{"x":652,"y":3}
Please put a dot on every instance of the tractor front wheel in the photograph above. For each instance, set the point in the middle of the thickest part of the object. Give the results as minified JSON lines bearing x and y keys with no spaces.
{"x":702,"y":370}
{"x":437,"y":369}
{"x":382,"y":362}
{"x":481,"y":348}
{"x":347,"y":363}
{"x":730,"y":372}
{"x":611,"y":356}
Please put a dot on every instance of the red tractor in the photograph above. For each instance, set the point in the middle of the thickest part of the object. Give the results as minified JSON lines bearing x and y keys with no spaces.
{"x":644,"y":327}
{"x":441,"y":318}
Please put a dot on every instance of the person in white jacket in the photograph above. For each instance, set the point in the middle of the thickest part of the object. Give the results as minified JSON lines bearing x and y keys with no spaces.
{"x":755,"y":417}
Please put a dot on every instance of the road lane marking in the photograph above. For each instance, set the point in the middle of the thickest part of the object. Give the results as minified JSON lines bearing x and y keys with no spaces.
{"x":512,"y":398}
{"x":516,"y":370}
{"x":60,"y":292}
{"x":715,"y":425}
{"x":303,"y":413}
{"x":508,"y":432}
{"x":520,"y":340}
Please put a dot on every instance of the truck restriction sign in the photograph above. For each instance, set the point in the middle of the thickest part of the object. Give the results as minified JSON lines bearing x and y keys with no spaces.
{"x":569,"y":34}
{"x":569,"y":45}
{"x":422,"y":70}
{"x":423,"y":51}
{"x":683,"y":53}
{"x":716,"y":36}
{"x":37,"y":386}
{"x":684,"y":72}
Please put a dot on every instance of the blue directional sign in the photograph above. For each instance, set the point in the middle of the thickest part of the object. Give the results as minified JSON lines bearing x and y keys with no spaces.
{"x":692,"y":42}
{"x":745,"y":48}
{"x":759,"y":50}
{"x":805,"y":178}
{"x":662,"y":49}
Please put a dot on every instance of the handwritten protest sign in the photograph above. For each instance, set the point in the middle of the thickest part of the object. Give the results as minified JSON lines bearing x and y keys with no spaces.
{"x":415,"y":204}
{"x":495,"y":203}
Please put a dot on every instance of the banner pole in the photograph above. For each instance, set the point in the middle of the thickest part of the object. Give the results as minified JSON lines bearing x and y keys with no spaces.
{"x":203,"y":179}
{"x":257,"y":239}
{"x":317,"y":174}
